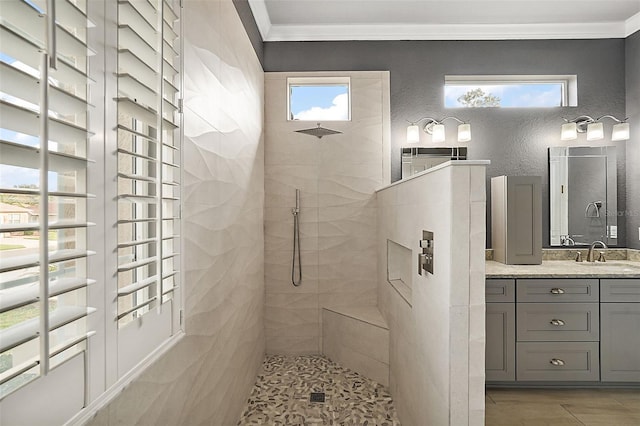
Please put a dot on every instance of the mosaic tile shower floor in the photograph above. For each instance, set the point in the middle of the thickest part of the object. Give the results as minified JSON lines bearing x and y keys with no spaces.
{"x":281,"y":395}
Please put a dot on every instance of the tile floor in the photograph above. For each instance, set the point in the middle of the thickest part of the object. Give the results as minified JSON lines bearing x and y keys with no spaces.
{"x":281,"y":395}
{"x":282,"y":392}
{"x":587,"y":407}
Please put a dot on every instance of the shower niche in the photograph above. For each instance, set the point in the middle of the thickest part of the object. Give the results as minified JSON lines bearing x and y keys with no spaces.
{"x":399,"y":270}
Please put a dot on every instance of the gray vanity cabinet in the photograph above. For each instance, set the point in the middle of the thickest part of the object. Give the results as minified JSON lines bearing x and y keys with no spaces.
{"x":563,"y":330}
{"x":620,"y":330}
{"x":500,"y":355}
{"x":558,"y":330}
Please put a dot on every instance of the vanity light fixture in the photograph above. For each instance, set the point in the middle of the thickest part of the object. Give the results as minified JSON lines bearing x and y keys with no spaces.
{"x":436,"y":129}
{"x":594,"y":128}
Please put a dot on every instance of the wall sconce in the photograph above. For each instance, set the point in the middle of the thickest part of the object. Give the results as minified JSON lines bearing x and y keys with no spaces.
{"x":594,"y":128}
{"x":436,"y":129}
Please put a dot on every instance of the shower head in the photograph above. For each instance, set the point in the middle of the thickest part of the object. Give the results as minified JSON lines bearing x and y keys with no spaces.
{"x":318,"y":132}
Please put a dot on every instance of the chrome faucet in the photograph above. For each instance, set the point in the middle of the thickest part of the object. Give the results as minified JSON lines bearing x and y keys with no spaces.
{"x":590,"y":256}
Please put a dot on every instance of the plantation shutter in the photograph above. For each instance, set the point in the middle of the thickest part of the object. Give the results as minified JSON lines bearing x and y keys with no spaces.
{"x":43,"y":172}
{"x":148,"y":172}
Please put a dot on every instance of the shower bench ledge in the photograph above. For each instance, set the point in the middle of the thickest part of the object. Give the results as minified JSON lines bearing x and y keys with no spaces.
{"x":358,"y":338}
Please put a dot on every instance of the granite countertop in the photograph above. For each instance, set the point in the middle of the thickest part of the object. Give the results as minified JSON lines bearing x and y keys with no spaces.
{"x":565,"y":269}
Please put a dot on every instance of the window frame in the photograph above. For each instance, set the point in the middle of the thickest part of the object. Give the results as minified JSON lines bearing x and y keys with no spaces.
{"x":318,"y":81}
{"x":568,"y":82}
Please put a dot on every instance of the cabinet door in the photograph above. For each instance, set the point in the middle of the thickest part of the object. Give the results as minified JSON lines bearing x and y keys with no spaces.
{"x":620,"y":342}
{"x":500,"y":358}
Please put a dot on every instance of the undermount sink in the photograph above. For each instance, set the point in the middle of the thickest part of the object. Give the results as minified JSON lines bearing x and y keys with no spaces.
{"x":613,"y":264}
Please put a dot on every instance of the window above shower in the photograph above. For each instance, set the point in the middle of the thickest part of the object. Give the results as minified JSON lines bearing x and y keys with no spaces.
{"x":319,"y":99}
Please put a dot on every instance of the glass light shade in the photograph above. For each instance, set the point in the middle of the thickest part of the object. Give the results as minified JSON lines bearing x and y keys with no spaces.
{"x":595,"y":131}
{"x":413,"y":134}
{"x":437,"y":133}
{"x":569,"y":132}
{"x":464,"y":132}
{"x":620,"y":132}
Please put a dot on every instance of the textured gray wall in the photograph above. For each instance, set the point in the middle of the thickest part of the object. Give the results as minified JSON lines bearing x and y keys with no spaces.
{"x":515,"y":140}
{"x":632,"y":48}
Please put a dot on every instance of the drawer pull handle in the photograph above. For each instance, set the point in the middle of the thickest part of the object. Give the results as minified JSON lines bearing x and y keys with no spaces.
{"x":555,"y":361}
{"x":557,"y":322}
{"x":557,"y":291}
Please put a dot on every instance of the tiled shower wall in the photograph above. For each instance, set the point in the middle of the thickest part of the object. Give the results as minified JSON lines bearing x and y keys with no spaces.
{"x":437,"y":336}
{"x":337,"y":176}
{"x":206,"y":378}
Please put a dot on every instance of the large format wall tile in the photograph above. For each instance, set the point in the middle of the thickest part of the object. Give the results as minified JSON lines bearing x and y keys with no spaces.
{"x":281,"y":182}
{"x":277,"y":271}
{"x":206,"y":377}
{"x":337,"y":176}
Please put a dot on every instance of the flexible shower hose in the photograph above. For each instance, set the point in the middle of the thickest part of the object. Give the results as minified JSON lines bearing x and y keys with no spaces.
{"x":296,"y":279}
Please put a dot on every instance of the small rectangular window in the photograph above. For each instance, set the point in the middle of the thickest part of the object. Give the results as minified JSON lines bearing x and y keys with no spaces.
{"x":319,"y":99}
{"x":510,"y":91}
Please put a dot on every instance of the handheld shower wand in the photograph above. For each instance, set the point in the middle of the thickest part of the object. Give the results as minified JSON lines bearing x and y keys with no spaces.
{"x":296,"y":279}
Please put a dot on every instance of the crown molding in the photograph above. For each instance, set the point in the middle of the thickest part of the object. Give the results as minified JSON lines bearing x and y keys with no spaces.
{"x":446,"y":32}
{"x":558,"y":31}
{"x":632,"y":24}
{"x":261,"y":15}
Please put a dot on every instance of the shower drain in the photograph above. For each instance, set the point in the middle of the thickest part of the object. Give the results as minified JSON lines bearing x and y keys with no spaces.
{"x":316,"y":397}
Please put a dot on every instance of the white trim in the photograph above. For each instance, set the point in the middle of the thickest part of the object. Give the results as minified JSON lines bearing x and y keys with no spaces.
{"x":593,"y":30}
{"x":632,"y":24}
{"x":468,"y":79}
{"x":261,"y":16}
{"x":87,"y":413}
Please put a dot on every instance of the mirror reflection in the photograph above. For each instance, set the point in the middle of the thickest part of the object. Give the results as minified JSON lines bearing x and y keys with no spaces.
{"x":416,"y":160}
{"x":582,"y":195}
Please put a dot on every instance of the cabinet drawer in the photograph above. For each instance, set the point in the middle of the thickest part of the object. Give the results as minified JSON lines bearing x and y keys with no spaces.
{"x":558,"y":322}
{"x":500,"y":290}
{"x":620,"y":290}
{"x":557,"y":290}
{"x":567,"y":361}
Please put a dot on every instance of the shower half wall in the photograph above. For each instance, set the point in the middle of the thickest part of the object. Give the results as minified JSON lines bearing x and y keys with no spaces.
{"x":337,"y":177}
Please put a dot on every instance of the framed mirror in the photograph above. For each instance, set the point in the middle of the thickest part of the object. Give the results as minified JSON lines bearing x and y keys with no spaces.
{"x":416,"y":160}
{"x":582,"y":195}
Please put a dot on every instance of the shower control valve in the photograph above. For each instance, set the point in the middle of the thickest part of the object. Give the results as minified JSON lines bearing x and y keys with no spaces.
{"x":425,"y":259}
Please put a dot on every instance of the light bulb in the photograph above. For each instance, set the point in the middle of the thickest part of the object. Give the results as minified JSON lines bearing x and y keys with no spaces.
{"x":595,"y":131}
{"x":437,"y":133}
{"x":620,"y":132}
{"x":464,"y":132}
{"x":413,"y":134}
{"x":569,"y":132}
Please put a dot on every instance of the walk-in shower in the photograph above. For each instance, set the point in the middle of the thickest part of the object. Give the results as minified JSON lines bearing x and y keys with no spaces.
{"x":296,"y":278}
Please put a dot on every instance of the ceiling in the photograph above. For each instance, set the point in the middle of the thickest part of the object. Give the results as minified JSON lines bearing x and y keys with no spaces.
{"x":306,"y":20}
